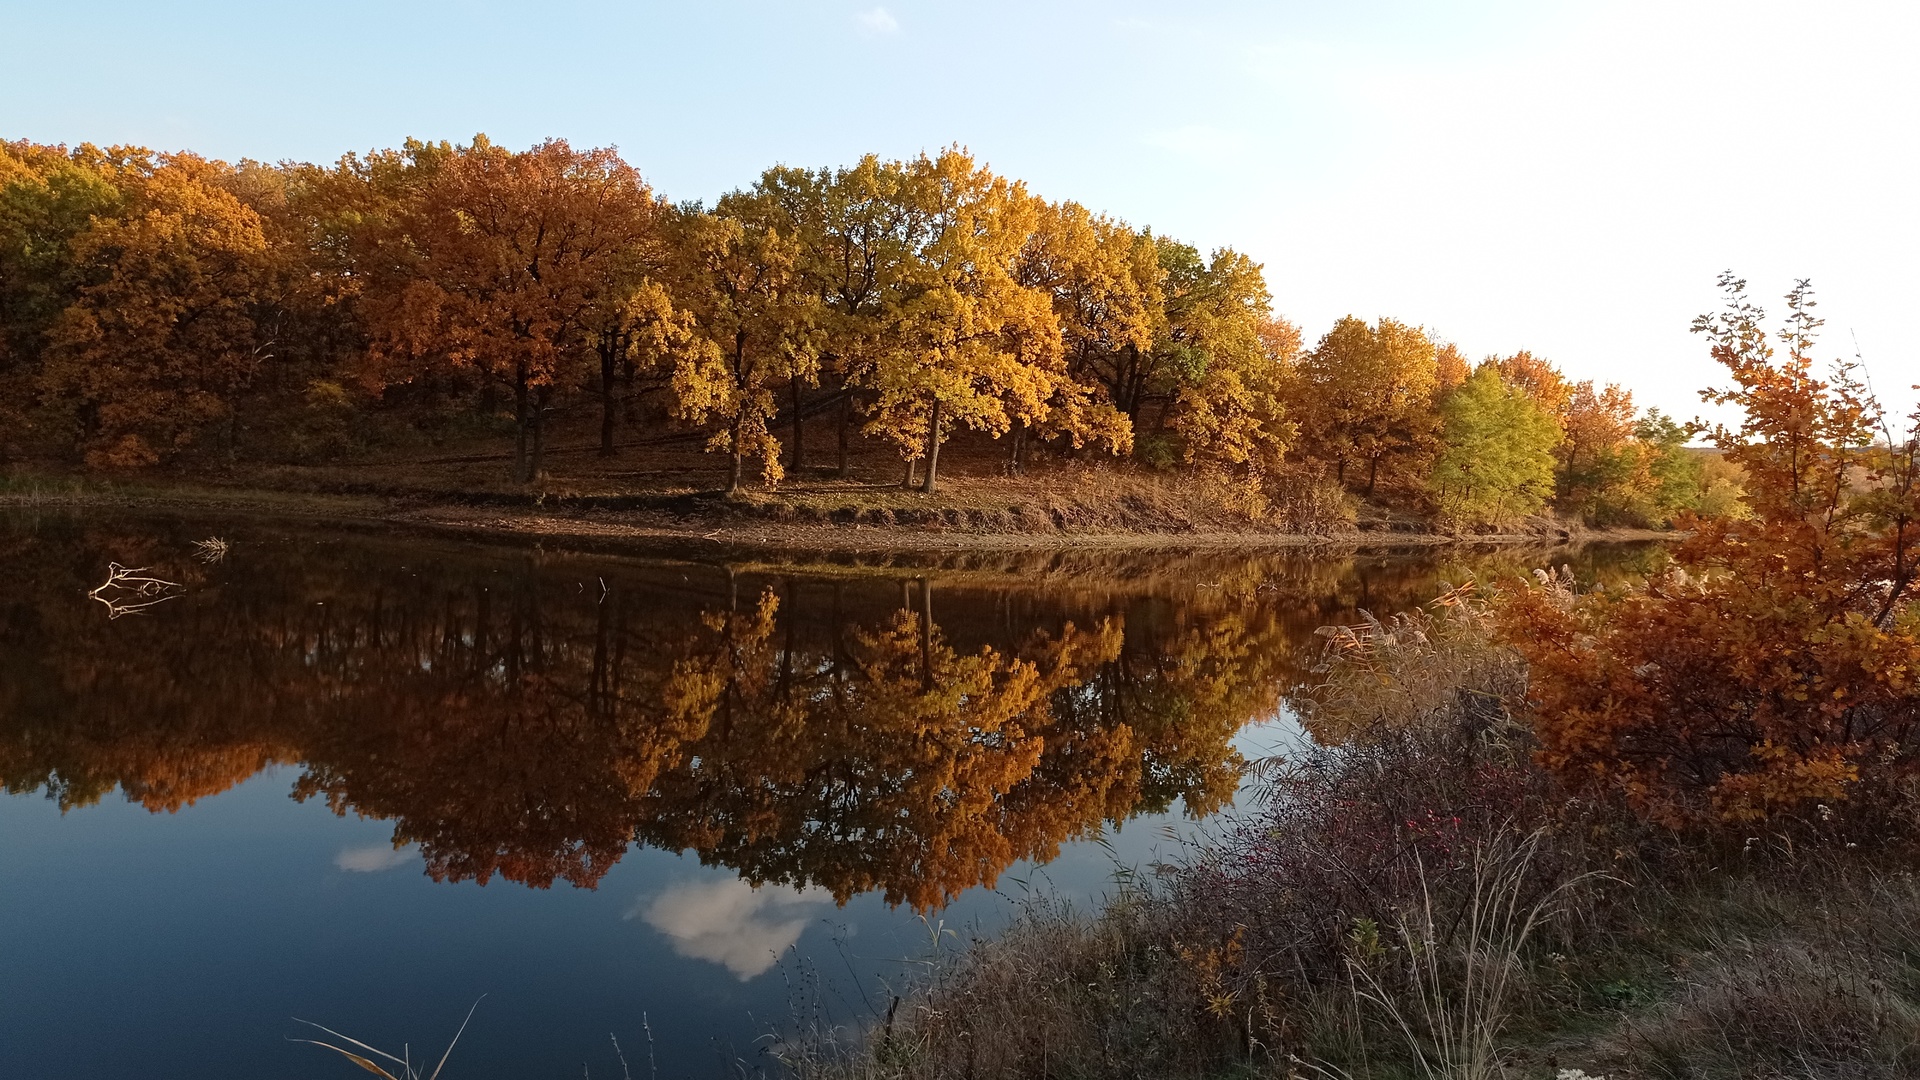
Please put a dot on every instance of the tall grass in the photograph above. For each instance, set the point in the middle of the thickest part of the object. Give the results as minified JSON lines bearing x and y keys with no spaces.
{"x":408,"y":1071}
{"x":1452,"y":1005}
{"x":1414,"y":898}
{"x":37,"y":493}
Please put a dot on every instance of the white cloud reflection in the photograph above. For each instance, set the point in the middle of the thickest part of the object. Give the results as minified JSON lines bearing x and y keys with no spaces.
{"x":373,"y":858}
{"x":729,"y":922}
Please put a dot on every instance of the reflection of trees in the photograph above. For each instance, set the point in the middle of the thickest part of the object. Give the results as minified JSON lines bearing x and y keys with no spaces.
{"x":885,"y":759}
{"x":511,"y":719}
{"x":510,"y":723}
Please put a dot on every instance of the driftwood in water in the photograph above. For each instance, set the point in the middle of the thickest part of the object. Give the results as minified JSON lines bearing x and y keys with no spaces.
{"x":129,"y":591}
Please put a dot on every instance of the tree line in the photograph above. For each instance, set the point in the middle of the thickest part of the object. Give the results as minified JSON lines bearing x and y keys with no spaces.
{"x":159,"y":306}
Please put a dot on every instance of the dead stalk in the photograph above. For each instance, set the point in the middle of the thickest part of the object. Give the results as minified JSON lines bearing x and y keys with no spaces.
{"x":211,"y":550}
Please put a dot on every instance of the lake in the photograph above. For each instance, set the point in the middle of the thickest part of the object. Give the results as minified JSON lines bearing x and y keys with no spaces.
{"x":368,"y":779}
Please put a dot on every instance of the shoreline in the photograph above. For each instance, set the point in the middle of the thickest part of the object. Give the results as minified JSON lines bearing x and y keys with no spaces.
{"x":724,"y":530}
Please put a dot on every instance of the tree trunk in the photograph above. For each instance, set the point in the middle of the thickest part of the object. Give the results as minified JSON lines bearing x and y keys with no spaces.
{"x":1016,"y":440}
{"x":926,"y":632}
{"x":793,"y":386}
{"x":846,"y":421}
{"x":1373,"y":473}
{"x":599,"y":700}
{"x":912,"y":474}
{"x":520,"y":424}
{"x":734,"y":465}
{"x":540,"y":400}
{"x":1128,"y":386}
{"x":933,"y":448}
{"x":607,"y":351}
{"x":1340,"y":472}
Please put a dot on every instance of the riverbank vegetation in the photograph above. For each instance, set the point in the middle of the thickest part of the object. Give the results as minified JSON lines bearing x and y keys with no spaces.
{"x":450,"y":320}
{"x":1665,"y":830}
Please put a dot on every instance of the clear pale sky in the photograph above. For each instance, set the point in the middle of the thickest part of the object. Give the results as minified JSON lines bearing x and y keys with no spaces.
{"x":1567,"y":178}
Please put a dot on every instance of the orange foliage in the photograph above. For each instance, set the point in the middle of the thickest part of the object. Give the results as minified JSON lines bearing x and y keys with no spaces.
{"x":1779,"y":663}
{"x":531,"y":732}
{"x":152,"y":351}
{"x":503,"y":265}
{"x":1537,"y":378}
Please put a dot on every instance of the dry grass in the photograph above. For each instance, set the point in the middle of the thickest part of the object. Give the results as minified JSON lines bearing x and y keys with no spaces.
{"x":1802,"y":966}
{"x":1422,"y":902}
{"x":1264,"y":949}
{"x":669,"y":476}
{"x":1452,"y":1003}
{"x":36,"y":492}
{"x":403,"y":1061}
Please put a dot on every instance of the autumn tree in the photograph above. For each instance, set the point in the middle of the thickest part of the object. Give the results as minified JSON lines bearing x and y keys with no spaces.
{"x":966,"y":345}
{"x":1202,"y":390}
{"x":1774,"y":668}
{"x":854,"y":229}
{"x":1101,"y":281}
{"x":1597,"y":424}
{"x":48,"y":198}
{"x":621,"y":328}
{"x":1227,"y":414}
{"x":1365,"y":394}
{"x":741,"y":323}
{"x":1450,"y":368}
{"x":155,"y":346}
{"x":500,"y":266}
{"x":1537,"y":378}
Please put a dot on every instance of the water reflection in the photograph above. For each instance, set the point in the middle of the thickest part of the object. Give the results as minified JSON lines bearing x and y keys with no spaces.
{"x":910,"y":733}
{"x":743,"y":928}
{"x":373,"y":858}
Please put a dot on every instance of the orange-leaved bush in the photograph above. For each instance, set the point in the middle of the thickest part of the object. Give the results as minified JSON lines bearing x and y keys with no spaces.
{"x":1775,"y":667}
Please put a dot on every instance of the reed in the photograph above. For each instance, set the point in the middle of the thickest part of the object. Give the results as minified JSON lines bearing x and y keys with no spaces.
{"x":405,"y":1059}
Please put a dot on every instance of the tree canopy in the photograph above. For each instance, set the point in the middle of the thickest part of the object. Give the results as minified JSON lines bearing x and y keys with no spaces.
{"x":162,"y":307}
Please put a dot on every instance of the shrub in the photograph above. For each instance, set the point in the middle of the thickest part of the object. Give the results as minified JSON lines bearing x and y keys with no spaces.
{"x":1307,"y":500}
{"x":1315,"y":927}
{"x":1778,"y":665}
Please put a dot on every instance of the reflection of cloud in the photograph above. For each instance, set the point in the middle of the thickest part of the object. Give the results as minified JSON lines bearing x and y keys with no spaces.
{"x":730,"y":922}
{"x":877,"y":22}
{"x":372,"y":859}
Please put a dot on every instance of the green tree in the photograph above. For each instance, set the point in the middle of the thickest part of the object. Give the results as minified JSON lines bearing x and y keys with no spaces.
{"x":1496,"y":457}
{"x":1676,"y":473}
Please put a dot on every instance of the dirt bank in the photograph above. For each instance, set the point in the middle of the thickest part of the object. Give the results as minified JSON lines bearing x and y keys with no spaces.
{"x":711,"y":525}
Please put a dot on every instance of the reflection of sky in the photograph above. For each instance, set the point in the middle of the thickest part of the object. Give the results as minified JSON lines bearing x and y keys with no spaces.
{"x":373,"y":858}
{"x":180,"y":945}
{"x":1275,"y":736}
{"x":253,"y":909}
{"x":731,"y":923}
{"x":194,"y":937}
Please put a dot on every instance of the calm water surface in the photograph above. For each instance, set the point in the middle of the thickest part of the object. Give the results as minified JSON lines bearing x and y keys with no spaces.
{"x":365,"y":780}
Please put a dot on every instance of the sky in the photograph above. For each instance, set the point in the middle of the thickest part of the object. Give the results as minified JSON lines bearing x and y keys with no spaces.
{"x":1565,"y":178}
